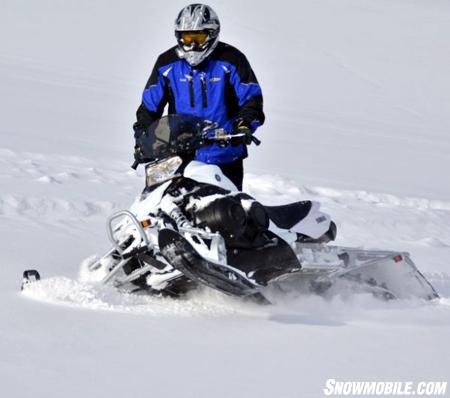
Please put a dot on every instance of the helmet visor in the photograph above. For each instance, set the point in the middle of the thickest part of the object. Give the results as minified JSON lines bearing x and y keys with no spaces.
{"x":195,"y":37}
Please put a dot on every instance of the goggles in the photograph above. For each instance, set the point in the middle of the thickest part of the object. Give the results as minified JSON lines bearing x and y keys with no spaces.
{"x":197,"y":37}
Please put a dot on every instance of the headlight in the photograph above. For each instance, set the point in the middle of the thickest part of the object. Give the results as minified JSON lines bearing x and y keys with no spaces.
{"x":156,"y":173}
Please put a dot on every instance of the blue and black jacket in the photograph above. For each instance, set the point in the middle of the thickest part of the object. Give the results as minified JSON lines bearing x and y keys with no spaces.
{"x":222,"y":89}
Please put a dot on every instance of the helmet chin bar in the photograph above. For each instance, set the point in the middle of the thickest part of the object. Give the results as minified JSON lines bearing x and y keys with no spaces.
{"x":194,"y":47}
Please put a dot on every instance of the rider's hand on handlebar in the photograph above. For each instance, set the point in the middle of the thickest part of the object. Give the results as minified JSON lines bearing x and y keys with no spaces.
{"x":139,"y":157}
{"x":244,"y":132}
{"x":137,"y":153}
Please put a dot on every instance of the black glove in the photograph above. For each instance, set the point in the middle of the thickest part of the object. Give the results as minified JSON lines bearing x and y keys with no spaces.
{"x":139,"y":157}
{"x":240,"y":128}
{"x":137,"y":153}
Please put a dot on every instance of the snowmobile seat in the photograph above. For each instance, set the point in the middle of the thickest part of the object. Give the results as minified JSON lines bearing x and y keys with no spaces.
{"x":286,"y":216}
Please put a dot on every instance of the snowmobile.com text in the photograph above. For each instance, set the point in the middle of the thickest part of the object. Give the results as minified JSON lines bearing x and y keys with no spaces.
{"x":386,"y":388}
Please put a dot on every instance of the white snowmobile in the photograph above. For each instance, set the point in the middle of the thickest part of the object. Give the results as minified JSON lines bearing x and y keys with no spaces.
{"x":191,"y":226}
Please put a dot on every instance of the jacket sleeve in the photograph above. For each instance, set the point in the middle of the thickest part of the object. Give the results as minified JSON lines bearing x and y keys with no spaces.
{"x":248,"y":92}
{"x":154,"y":99}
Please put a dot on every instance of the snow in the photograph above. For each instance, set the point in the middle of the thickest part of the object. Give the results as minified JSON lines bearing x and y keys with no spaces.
{"x":357,"y":95}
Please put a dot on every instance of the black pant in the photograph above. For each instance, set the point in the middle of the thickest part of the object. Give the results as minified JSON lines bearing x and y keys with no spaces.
{"x":234,"y":171}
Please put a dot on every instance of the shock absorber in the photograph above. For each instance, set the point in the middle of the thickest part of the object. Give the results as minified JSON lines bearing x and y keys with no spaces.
{"x":179,"y":218}
{"x":171,"y":209}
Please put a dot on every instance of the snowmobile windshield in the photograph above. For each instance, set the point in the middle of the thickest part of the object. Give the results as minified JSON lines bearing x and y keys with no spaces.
{"x":173,"y":135}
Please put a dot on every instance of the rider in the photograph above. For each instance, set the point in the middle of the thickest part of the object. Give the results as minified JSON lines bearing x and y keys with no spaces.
{"x":204,"y":77}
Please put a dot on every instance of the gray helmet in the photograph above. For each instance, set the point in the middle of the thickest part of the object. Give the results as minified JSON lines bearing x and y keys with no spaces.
{"x":197,"y":30}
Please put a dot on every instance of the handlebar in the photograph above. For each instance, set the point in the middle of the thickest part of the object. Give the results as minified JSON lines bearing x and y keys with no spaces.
{"x":219,"y":136}
{"x":256,"y":141}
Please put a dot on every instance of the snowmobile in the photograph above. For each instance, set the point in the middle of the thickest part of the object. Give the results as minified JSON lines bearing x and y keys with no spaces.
{"x":192,"y":227}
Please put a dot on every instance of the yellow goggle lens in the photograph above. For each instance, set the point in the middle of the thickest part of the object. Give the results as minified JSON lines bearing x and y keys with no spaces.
{"x":191,"y":37}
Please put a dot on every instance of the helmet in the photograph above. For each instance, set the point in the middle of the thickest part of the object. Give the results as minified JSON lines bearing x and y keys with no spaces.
{"x":197,"y":30}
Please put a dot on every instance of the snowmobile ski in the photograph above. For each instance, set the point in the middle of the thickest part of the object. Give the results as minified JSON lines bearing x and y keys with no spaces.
{"x":180,"y":253}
